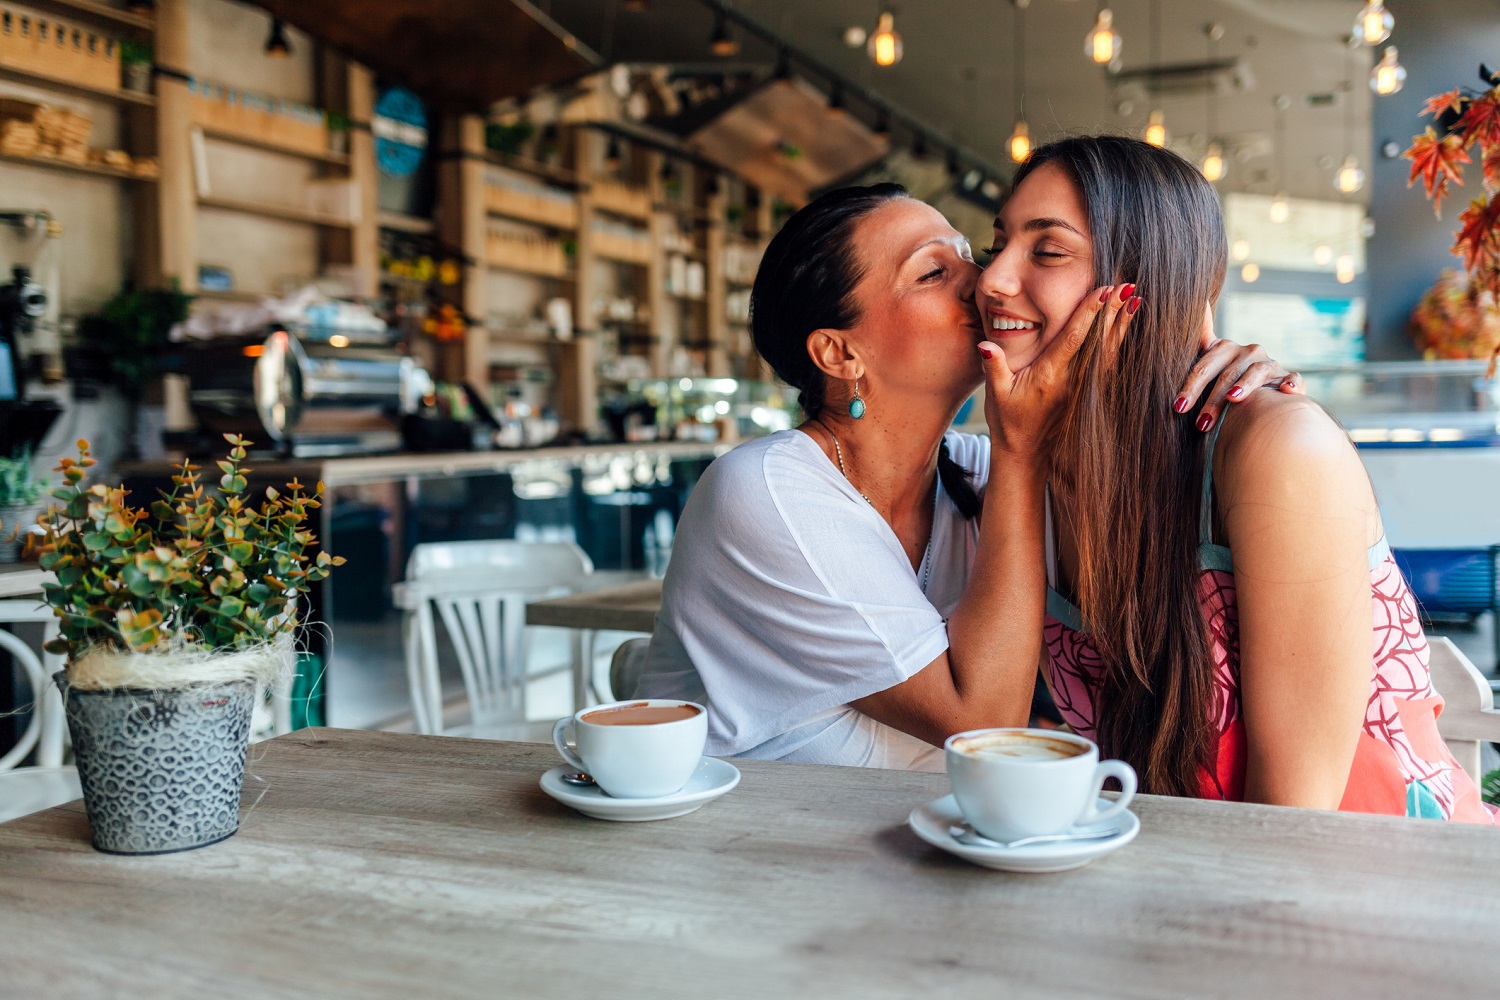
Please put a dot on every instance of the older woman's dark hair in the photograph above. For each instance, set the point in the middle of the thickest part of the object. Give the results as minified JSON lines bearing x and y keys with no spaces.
{"x":806,"y":282}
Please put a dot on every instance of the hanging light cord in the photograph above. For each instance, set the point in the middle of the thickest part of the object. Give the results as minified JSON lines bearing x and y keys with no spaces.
{"x":1020,"y":62}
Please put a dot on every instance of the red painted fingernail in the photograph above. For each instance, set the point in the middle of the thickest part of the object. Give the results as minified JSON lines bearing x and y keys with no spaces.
{"x":1126,"y":291}
{"x":1104,"y":295}
{"x":1132,"y":306}
{"x":1236,"y":392}
{"x":1205,"y":422}
{"x":987,"y":351}
{"x":1181,"y":406}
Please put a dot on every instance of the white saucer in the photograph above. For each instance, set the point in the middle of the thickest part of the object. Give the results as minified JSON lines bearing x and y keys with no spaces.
{"x":931,"y":823}
{"x":713,"y":778}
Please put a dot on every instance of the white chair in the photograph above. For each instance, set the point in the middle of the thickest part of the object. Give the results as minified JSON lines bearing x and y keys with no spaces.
{"x":626,"y":667}
{"x":26,"y":790}
{"x":1469,"y":718}
{"x":480,"y":590}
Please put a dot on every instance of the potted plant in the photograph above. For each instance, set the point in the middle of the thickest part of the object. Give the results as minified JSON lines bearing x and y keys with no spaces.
{"x":20,"y":491}
{"x":338,"y":131}
{"x":129,"y":331}
{"x":169,"y":619}
{"x":1466,"y":122}
{"x":136,"y":64}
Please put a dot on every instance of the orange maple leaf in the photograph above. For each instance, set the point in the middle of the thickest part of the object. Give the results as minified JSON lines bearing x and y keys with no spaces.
{"x":1481,"y":121}
{"x":1478,"y":242}
{"x":1436,"y":161}
{"x":1442,"y":102}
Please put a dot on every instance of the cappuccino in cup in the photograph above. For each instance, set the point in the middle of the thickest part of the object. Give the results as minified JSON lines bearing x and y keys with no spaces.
{"x":1014,"y":783}
{"x":638,"y":749}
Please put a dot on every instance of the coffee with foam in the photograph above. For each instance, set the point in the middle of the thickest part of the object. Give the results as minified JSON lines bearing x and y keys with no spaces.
{"x":1019,"y":746}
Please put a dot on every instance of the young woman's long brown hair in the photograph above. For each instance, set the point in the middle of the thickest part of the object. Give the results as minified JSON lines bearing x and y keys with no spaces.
{"x":1131,"y":475}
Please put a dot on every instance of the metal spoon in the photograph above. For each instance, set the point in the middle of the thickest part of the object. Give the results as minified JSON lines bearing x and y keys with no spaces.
{"x":578,"y":778}
{"x":969,"y":837}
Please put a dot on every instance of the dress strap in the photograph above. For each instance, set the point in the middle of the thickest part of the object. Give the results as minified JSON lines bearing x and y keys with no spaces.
{"x":1206,"y":510}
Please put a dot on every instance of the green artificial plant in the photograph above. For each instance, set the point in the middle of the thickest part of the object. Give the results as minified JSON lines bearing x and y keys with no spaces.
{"x":201,"y":569}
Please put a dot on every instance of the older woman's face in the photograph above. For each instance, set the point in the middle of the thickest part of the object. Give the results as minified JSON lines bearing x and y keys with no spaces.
{"x":918,"y":326}
{"x":1043,"y":265}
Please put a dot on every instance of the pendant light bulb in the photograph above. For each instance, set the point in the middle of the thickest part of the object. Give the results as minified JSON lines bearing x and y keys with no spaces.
{"x":1020,"y":142}
{"x":1281,"y":208}
{"x":1240,"y":249}
{"x":1213,"y":163}
{"x":1250,"y":273}
{"x":1350,"y":178}
{"x":1322,"y":255}
{"x":612,"y":155}
{"x":722,"y":43}
{"x":1374,"y":23}
{"x":1343,"y":268}
{"x":1156,"y":129}
{"x":1102,"y":44}
{"x":277,"y":46}
{"x":885,"y":45}
{"x":1388,"y":76}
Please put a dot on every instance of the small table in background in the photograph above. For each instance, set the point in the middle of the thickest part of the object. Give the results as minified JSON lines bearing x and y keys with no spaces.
{"x":616,"y":607}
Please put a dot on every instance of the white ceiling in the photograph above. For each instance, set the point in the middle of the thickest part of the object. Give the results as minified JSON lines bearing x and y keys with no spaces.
{"x":957,"y":77}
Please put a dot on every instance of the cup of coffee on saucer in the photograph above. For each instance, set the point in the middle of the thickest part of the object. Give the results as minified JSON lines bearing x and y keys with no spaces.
{"x":642,"y":749}
{"x":1015,"y":783}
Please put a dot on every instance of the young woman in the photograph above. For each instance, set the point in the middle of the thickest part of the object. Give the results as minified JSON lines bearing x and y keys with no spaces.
{"x":1212,"y":597}
{"x":834,"y":595}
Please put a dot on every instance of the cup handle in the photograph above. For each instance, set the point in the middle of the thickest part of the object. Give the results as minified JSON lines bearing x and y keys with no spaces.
{"x":560,"y":740}
{"x":1109,"y":769}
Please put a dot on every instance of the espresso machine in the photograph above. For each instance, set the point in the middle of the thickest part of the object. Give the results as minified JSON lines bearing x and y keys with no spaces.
{"x":23,"y":422}
{"x":305,"y":392}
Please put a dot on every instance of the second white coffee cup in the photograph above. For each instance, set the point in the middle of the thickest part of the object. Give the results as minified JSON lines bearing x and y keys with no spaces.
{"x":1013,"y":783}
{"x":638,"y":749}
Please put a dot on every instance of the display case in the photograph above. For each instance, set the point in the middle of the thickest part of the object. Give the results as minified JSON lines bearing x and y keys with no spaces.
{"x":1412,"y":403}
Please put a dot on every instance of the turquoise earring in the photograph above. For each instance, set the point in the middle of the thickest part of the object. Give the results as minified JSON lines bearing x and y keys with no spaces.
{"x":856,"y":405}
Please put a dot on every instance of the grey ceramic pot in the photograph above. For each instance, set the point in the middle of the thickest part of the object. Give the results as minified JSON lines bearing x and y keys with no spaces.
{"x":161,"y":770}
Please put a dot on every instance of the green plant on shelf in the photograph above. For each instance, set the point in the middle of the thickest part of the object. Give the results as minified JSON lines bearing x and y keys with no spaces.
{"x":131,"y":329}
{"x":135,"y":53}
{"x":1490,"y":787}
{"x":509,"y":138}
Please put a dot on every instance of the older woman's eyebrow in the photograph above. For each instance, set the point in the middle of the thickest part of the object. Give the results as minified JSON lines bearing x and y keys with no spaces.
{"x":1039,"y":224}
{"x":961,"y":242}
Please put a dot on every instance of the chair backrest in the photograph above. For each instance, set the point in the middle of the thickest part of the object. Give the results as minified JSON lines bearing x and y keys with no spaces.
{"x":1469,"y":717}
{"x":479,"y":590}
{"x":626,"y":667}
{"x":45,"y":730}
{"x":523,"y":568}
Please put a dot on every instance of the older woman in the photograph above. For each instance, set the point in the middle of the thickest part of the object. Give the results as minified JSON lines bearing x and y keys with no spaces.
{"x":857,"y":589}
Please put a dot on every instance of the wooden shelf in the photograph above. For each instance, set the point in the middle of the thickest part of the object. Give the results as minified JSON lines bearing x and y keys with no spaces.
{"x":92,"y":13}
{"x":232,"y":295}
{"x":524,"y":267}
{"x":77,"y":89}
{"x":270,"y":146}
{"x":91,"y":169}
{"x":560,"y":175}
{"x":405,"y":223}
{"x":286,"y":213}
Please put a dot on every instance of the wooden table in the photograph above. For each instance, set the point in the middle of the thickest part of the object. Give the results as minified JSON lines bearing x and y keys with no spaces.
{"x":625,"y":607}
{"x":390,"y":865}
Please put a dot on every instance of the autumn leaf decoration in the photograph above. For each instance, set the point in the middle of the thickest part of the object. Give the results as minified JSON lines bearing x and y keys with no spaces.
{"x":1466,"y":123}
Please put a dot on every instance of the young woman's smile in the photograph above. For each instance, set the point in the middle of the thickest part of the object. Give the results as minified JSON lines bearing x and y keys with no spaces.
{"x":1042,"y":265}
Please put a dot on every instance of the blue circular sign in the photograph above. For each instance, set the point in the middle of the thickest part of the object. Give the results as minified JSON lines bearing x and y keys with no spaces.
{"x":400,"y":129}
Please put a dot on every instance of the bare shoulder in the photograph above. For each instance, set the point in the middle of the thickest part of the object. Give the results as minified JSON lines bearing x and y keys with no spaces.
{"x":1280,"y":448}
{"x":1273,"y":428}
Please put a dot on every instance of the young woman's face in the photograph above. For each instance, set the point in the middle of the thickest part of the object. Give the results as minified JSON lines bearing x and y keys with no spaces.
{"x":918,"y":326}
{"x":1043,"y":265}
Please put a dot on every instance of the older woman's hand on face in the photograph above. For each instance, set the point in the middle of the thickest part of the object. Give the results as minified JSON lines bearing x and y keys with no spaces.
{"x":1231,"y":373}
{"x":1022,"y":408}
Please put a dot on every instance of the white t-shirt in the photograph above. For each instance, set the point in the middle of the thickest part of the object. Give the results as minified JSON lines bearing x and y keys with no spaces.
{"x":788,"y":596}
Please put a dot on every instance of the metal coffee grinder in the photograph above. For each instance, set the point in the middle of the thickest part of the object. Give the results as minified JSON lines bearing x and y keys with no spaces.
{"x":23,"y":422}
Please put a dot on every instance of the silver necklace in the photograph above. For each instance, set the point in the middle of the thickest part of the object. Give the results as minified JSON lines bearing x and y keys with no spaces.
{"x":839,"y":454}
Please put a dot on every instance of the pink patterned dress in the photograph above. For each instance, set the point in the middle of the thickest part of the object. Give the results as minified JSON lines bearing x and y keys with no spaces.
{"x":1401,"y":765}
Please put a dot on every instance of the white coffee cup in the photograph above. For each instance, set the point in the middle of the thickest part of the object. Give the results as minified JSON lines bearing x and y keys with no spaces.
{"x":1013,"y":783}
{"x":634,"y":759}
